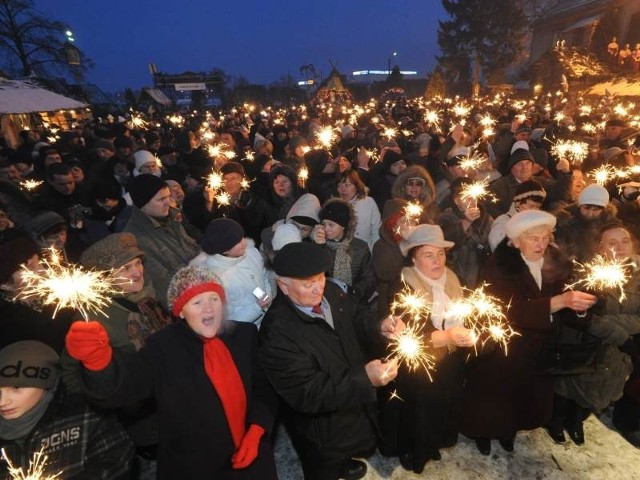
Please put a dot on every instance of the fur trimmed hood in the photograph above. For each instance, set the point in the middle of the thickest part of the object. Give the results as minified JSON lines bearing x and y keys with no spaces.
{"x":428,"y":195}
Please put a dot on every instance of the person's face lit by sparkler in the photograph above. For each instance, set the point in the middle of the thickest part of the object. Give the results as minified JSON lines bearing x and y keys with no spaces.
{"x":56,"y":238}
{"x":305,"y":292}
{"x":591,"y":212}
{"x":522,"y":136}
{"x":398,"y":167}
{"x":616,"y":243}
{"x":346,"y":190}
{"x":430,"y":261}
{"x":63,"y":184}
{"x":16,"y":401}
{"x":204,"y":314}
{"x":577,"y":183}
{"x":533,"y":243}
{"x":333,"y":231}
{"x":232,"y":184}
{"x":612,"y":132}
{"x":414,"y":187}
{"x":282,"y":186}
{"x":159,"y":205}
{"x":522,"y":170}
{"x":131,"y":276}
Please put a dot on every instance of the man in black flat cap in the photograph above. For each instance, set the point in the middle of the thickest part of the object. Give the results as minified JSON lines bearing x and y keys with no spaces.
{"x":311,"y":347}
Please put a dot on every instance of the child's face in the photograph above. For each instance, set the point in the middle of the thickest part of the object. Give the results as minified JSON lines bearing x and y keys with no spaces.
{"x":16,"y":401}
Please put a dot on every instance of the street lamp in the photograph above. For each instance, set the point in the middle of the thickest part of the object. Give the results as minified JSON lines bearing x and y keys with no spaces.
{"x":394,"y":54}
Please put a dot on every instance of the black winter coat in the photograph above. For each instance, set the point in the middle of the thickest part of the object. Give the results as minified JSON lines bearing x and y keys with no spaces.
{"x":195,"y":440}
{"x":319,"y":374}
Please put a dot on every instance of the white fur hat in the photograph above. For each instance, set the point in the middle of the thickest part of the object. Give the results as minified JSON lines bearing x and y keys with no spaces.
{"x":523,"y":221}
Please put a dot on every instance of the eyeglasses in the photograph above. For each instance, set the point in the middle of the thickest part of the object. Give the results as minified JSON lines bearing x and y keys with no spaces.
{"x":415,"y":182}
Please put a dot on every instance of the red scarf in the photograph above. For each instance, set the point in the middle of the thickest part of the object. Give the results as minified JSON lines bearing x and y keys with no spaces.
{"x":227,"y":383}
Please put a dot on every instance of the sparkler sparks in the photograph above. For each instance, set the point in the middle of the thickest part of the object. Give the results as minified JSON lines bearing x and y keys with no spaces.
{"x":30,"y":184}
{"x":410,"y":347}
{"x":410,"y":304}
{"x":35,"y":471}
{"x":476,"y":191}
{"x":390,"y":133}
{"x":603,"y":275}
{"x":433,"y":117}
{"x":484,"y":315}
{"x":215,"y":181}
{"x":472,"y":162}
{"x":326,"y":136}
{"x":223,"y":198}
{"x":572,"y":150}
{"x":303,"y":176}
{"x":68,"y":286}
{"x":603,"y":174}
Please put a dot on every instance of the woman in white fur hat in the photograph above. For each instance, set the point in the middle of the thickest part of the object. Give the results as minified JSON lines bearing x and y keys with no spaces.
{"x":529,"y":276}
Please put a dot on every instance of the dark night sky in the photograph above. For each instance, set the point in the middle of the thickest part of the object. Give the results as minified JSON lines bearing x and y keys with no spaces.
{"x":258,"y":39}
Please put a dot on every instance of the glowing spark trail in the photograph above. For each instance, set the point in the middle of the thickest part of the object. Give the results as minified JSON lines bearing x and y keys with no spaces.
{"x":68,"y":286}
{"x":410,"y":347}
{"x":484,"y":315}
{"x":603,"y":174}
{"x":35,"y":470}
{"x":476,"y":191}
{"x":326,"y":136}
{"x":30,"y":184}
{"x":215,"y":181}
{"x":575,"y":152}
{"x":603,"y":275}
{"x":303,"y":176}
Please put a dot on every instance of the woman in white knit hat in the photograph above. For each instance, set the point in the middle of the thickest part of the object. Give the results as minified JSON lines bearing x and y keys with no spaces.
{"x":528,"y":275}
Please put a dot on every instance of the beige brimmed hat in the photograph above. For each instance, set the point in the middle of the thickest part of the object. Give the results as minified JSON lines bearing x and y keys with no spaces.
{"x":424,"y":235}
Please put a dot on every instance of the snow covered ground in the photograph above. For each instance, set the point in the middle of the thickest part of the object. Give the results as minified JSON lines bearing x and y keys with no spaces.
{"x":604,"y":456}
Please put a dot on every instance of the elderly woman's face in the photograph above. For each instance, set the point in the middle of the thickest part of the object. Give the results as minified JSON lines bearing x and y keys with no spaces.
{"x":430,"y":261}
{"x":203,"y":313}
{"x":533,"y":242}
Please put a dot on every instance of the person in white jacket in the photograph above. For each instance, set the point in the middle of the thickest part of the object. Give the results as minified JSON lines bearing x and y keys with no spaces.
{"x":351,"y":189}
{"x":240,"y":267}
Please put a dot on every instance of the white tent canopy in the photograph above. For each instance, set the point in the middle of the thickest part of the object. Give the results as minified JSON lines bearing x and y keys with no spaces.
{"x":19,"y":96}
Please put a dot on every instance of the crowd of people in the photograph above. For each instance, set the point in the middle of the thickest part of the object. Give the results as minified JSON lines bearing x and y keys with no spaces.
{"x":258,"y":254}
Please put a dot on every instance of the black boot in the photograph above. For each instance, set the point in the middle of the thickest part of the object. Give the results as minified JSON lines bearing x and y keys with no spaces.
{"x":575,"y":418}
{"x":353,"y":470}
{"x":483,"y":445}
{"x":507,"y":443}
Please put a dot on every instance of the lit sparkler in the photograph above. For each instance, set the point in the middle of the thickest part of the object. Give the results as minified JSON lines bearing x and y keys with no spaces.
{"x":215,"y":181}
{"x":413,"y":211}
{"x":389,"y":133}
{"x":603,"y":174}
{"x":572,"y":150}
{"x":223,"y":198}
{"x":476,"y":191}
{"x":484,"y":315}
{"x":36,"y":468}
{"x":30,"y":184}
{"x":68,"y":286}
{"x":408,"y":303}
{"x":410,"y":347}
{"x":472,"y":162}
{"x":603,"y":275}
{"x":303,"y":176}
{"x":326,"y":136}
{"x":432,"y":117}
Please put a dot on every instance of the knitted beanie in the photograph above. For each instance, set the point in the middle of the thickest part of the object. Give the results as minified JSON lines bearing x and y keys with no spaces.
{"x":190,"y":281}
{"x":29,"y":363}
{"x":144,"y":187}
{"x":221,"y":235}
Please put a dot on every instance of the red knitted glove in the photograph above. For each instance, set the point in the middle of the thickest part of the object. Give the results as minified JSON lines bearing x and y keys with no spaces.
{"x":248,"y":449}
{"x":88,"y":342}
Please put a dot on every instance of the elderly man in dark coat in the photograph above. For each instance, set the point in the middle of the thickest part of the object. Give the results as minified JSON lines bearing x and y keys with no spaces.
{"x":310,"y":348}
